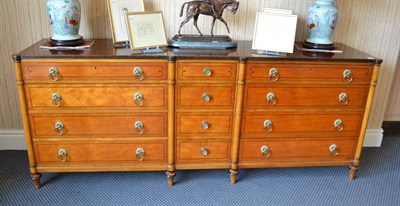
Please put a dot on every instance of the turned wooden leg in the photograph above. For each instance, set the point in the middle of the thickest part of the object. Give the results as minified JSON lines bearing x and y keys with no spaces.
{"x":170,"y":176}
{"x":36,"y":179}
{"x":233,"y":174}
{"x":353,"y":171}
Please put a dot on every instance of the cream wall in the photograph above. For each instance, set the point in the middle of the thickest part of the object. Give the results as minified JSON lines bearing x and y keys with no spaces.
{"x":371,"y":26}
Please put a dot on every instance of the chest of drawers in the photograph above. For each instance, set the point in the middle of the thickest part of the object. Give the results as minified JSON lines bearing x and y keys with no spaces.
{"x":105,"y":109}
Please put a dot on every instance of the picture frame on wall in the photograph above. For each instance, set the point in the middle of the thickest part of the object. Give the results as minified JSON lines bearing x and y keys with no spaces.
{"x":274,"y":32}
{"x":117,"y":10}
{"x":146,"y":30}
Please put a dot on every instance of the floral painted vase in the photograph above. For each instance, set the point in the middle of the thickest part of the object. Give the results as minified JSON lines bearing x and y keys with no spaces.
{"x":64,"y":17}
{"x":322,"y":18}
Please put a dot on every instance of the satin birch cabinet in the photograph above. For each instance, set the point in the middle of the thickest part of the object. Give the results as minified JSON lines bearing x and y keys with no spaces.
{"x":106,"y":109}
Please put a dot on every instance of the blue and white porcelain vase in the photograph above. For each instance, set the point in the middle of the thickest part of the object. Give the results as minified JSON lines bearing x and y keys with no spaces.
{"x":65,"y":18}
{"x":322,"y":18}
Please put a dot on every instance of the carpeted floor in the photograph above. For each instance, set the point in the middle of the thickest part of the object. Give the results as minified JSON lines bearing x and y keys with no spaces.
{"x":378,"y":184}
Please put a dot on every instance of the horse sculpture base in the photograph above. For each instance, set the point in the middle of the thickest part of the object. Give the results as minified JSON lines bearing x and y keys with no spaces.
{"x":197,"y":41}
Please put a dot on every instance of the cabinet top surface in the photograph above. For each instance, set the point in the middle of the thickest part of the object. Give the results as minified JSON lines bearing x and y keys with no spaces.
{"x":104,"y":49}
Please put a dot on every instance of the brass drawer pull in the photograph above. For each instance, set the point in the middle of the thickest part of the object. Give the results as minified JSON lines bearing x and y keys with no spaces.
{"x":265,"y":152}
{"x":204,"y":151}
{"x":273,"y":74}
{"x":271,"y":98}
{"x":140,"y":154}
{"x":338,"y":125}
{"x":138,"y":73}
{"x":347,"y":75}
{"x":54,"y":74}
{"x":343,"y":99}
{"x":56,"y":99}
{"x":207,"y":72}
{"x":59,"y":128}
{"x":138,"y":99}
{"x":62,"y":155}
{"x":206,"y":97}
{"x":205,"y":125}
{"x":334,"y":150}
{"x":268,"y":125}
{"x":139,"y":127}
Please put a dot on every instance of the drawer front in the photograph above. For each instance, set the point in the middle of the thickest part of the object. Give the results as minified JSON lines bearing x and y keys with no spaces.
{"x":276,"y":72}
{"x":205,"y":96}
{"x":267,"y":150}
{"x":97,"y":96}
{"x":135,"y":71}
{"x":204,"y":124}
{"x":206,"y":70}
{"x":100,"y":152}
{"x":203,"y":150}
{"x":269,"y":96}
{"x":99,"y":125}
{"x":270,"y":124}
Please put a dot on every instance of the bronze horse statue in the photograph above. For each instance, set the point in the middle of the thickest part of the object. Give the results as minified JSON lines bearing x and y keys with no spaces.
{"x":214,"y":8}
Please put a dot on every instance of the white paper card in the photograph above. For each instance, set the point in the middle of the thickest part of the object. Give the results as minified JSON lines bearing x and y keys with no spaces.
{"x":274,"y":32}
{"x":277,"y":11}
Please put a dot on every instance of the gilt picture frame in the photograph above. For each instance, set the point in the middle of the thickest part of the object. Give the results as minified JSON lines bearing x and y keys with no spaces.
{"x":146,"y":30}
{"x":117,"y":10}
{"x":274,"y":32}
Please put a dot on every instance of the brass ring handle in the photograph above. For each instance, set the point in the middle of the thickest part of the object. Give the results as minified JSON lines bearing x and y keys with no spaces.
{"x":139,"y":127}
{"x":343,"y":99}
{"x":268,"y":125}
{"x":54,"y":74}
{"x":265,"y":152}
{"x":334,"y":150}
{"x":138,"y":99}
{"x":271,"y":98}
{"x":206,"y":97}
{"x":207,"y":72}
{"x":138,"y":73}
{"x":56,"y":99}
{"x":205,"y":125}
{"x":273,"y":74}
{"x":59,"y":128}
{"x":204,"y":151}
{"x":140,"y":154}
{"x":347,"y":75}
{"x":62,"y":155}
{"x":338,"y":125}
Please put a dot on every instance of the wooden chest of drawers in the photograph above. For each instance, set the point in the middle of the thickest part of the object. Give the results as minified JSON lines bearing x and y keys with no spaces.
{"x":105,"y":109}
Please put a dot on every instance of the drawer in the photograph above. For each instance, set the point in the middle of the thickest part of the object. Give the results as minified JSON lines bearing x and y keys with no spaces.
{"x":99,"y":125}
{"x":298,"y":71}
{"x":300,"y":124}
{"x":91,"y":152}
{"x":270,"y":96}
{"x":204,"y":124}
{"x":206,"y":70}
{"x":97,"y":96}
{"x":205,"y":96}
{"x":132,"y":70}
{"x":203,"y":150}
{"x":304,"y":150}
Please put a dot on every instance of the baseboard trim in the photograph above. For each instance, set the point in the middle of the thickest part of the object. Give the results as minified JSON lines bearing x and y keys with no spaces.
{"x":373,"y":138}
{"x":15,"y":139}
{"x":12,"y":140}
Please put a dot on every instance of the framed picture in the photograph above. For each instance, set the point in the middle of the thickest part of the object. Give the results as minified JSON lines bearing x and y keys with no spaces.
{"x":146,"y":30}
{"x":274,"y":32}
{"x":116,"y":13}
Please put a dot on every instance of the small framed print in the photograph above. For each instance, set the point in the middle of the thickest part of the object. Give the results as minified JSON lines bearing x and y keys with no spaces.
{"x":117,"y":10}
{"x":274,"y":32}
{"x":146,"y":30}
